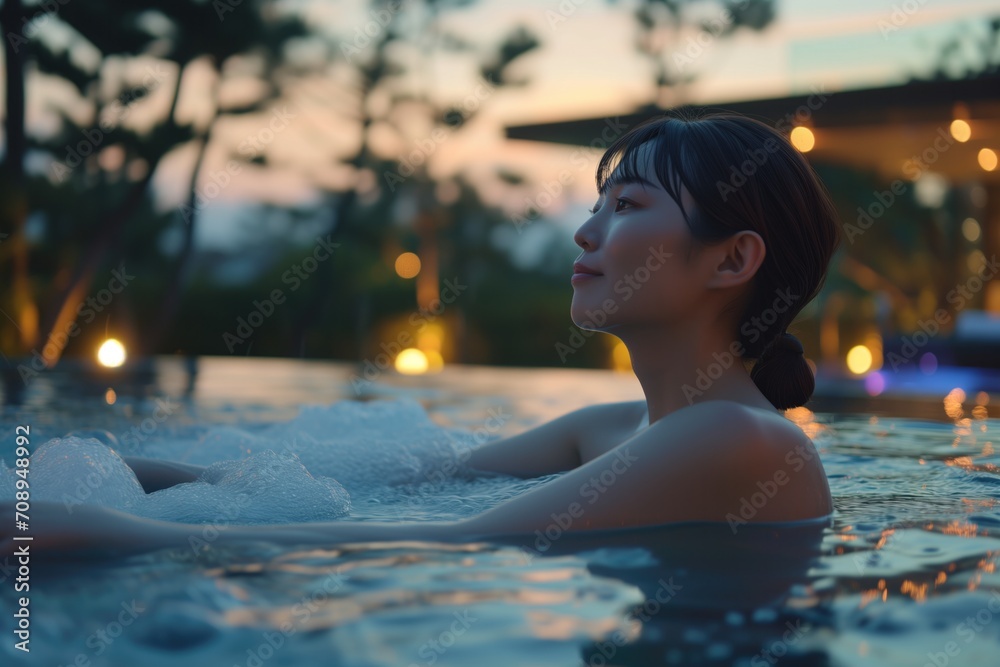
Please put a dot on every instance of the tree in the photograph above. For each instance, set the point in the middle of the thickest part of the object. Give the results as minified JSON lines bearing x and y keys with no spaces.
{"x":139,"y":50}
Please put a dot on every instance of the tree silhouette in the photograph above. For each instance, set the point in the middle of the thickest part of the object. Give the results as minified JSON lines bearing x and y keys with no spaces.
{"x":169,"y":37}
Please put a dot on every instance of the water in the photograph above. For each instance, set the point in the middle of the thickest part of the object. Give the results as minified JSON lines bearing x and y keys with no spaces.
{"x":905,"y":575}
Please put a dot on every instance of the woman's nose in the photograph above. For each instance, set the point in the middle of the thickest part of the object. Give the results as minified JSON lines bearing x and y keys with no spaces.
{"x":586,"y":235}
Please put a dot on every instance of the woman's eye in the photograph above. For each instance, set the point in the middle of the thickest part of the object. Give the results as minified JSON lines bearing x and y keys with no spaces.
{"x":619,"y":202}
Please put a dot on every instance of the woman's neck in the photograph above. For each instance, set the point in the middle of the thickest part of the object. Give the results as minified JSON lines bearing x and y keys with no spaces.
{"x":682,"y":367}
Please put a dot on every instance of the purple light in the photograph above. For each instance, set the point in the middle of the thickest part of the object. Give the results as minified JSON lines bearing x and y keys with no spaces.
{"x":874,"y":383}
{"x":928,"y":363}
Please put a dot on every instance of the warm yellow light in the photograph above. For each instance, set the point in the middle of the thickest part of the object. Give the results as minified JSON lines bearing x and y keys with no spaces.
{"x":960,"y":130}
{"x":859,"y":359}
{"x":411,"y":361}
{"x":803,"y":139}
{"x":971,"y":229}
{"x":953,"y":404}
{"x":407,"y":265}
{"x":430,"y":337}
{"x":988,"y":159}
{"x":110,"y":396}
{"x":435,"y":362}
{"x":111,"y":353}
{"x":975,"y":260}
{"x":620,"y":358}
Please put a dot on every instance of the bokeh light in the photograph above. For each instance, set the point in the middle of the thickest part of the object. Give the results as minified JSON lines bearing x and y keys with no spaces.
{"x":960,"y":130}
{"x":803,"y":139}
{"x":859,"y":359}
{"x":928,"y":363}
{"x":407,"y":265}
{"x":435,"y":362}
{"x":971,"y":229}
{"x":111,"y":353}
{"x":874,"y":383}
{"x":412,"y":361}
{"x":988,"y":159}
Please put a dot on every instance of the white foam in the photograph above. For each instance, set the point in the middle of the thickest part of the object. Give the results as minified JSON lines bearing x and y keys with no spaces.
{"x":387,"y":456}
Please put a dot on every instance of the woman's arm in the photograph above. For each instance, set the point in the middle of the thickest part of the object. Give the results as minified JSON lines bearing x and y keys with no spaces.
{"x":155,"y":474}
{"x":697,"y":464}
{"x":59,"y":531}
{"x":546,"y":449}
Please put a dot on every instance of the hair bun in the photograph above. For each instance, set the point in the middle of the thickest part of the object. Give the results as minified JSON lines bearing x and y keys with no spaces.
{"x":782,"y":373}
{"x":786,"y":343}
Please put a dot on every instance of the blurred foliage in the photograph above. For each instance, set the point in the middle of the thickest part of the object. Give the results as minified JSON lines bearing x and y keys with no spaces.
{"x":91,"y":204}
{"x":89,"y":207}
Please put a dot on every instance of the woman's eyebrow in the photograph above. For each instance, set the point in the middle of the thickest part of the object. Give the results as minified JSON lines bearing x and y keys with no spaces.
{"x":624,"y":180}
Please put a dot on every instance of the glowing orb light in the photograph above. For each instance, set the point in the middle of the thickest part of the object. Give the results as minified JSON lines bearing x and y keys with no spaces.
{"x":960,"y":130}
{"x":407,"y":265}
{"x":859,"y":359}
{"x":111,"y":353}
{"x":411,"y":361}
{"x":803,"y":139}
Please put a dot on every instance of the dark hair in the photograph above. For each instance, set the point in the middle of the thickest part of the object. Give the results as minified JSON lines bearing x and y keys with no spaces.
{"x":745,"y":175}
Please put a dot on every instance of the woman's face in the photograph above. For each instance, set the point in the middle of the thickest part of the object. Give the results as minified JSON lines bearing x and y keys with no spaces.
{"x":636,"y":243}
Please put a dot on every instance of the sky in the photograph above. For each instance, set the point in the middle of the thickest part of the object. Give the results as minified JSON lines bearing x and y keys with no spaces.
{"x":587,"y":66}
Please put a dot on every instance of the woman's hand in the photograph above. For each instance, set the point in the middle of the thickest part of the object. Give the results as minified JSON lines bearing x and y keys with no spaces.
{"x":58,"y":531}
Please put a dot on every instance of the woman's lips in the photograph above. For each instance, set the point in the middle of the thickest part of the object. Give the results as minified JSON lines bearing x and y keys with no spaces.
{"x":582,"y":272}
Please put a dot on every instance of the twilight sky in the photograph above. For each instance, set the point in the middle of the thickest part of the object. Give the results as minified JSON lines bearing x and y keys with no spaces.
{"x":587,"y":66}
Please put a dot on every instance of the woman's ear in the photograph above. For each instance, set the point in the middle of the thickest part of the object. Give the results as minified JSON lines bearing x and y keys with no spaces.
{"x":740,"y":256}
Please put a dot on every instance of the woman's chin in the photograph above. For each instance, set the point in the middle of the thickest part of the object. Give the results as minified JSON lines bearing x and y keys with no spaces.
{"x":590,"y":320}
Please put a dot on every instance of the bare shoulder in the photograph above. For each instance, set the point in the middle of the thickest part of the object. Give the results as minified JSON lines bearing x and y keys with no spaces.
{"x":767,"y":462}
{"x":748,"y":428}
{"x":717,"y":461}
{"x":621,"y":412}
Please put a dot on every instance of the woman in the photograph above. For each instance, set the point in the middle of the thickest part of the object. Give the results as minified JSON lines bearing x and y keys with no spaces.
{"x":708,"y":237}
